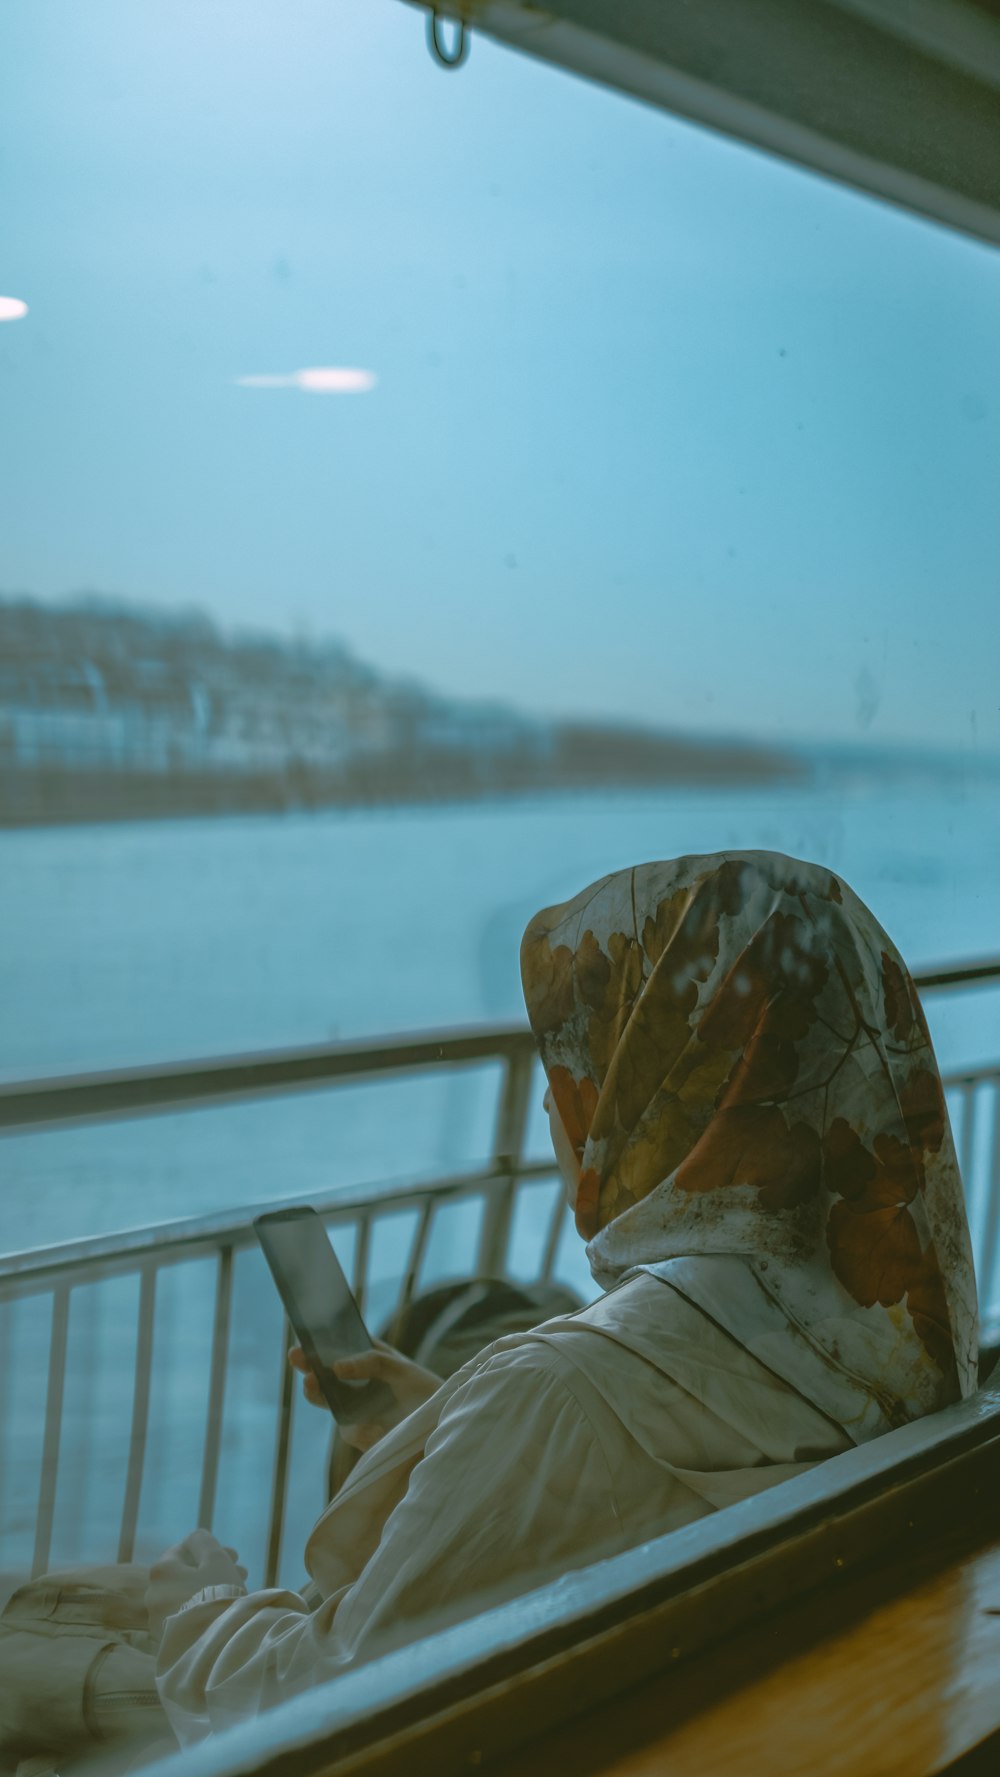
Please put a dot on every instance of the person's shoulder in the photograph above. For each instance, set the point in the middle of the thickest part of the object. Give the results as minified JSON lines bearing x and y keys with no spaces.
{"x":549,"y":1356}
{"x":534,"y":1355}
{"x":509,"y":1397}
{"x":523,"y":1370}
{"x":636,"y":1297}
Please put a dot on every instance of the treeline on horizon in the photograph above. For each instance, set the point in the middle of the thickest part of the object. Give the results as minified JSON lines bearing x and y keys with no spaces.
{"x":113,"y":712}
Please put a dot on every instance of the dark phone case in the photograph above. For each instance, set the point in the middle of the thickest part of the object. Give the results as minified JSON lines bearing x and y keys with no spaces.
{"x":348,"y":1405}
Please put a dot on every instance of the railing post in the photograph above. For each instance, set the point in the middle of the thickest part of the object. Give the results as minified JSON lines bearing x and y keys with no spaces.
{"x":508,"y":1155}
{"x":53,"y":1430}
{"x":279,"y":1485}
{"x":550,"y":1251}
{"x":216,"y":1388}
{"x":967,"y":1148}
{"x":359,"y":1282}
{"x":991,"y":1230}
{"x":418,"y":1248}
{"x":140,"y":1413}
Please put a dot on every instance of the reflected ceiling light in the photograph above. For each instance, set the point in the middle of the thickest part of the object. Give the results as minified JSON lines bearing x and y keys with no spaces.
{"x":329,"y":381}
{"x":12,"y":308}
{"x":325,"y":379}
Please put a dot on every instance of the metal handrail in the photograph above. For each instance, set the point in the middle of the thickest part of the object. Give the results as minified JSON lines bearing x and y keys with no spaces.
{"x":56,"y":1271}
{"x":185,"y":1085}
{"x":167,"y":1242}
{"x":974,"y":974}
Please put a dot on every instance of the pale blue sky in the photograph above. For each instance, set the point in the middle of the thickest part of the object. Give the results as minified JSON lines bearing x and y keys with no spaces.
{"x":662,"y":429}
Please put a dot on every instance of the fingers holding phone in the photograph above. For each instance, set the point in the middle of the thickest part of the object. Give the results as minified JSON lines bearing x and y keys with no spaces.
{"x":368,"y":1387}
{"x":408,"y":1385}
{"x":310,"y":1387}
{"x":321,"y":1310}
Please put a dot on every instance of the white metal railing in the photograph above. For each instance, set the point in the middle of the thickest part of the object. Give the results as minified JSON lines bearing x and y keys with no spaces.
{"x":46,"y":1283}
{"x":57,"y":1276}
{"x":58,"y":1273}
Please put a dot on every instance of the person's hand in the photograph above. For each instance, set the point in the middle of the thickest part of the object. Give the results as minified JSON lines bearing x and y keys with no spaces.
{"x":409,"y":1383}
{"x":200,"y":1560}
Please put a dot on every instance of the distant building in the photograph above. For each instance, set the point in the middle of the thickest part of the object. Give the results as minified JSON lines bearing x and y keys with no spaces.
{"x":111,"y":711}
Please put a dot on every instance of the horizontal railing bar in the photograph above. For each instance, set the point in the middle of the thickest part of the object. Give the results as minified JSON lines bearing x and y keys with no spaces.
{"x":171,"y":1241}
{"x":186,"y":1085}
{"x":177,"y":1240}
{"x":974,"y":974}
{"x":972,"y":1076}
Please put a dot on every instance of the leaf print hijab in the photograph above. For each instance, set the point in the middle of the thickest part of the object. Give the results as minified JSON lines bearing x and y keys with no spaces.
{"x":741,"y":1063}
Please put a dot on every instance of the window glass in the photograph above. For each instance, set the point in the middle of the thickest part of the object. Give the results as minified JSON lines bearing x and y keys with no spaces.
{"x":421,"y":496}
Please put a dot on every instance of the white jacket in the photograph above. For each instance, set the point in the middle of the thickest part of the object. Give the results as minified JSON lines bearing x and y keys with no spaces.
{"x":550,"y":1450}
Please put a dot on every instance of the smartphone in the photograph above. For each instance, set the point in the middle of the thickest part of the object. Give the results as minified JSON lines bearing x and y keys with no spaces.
{"x":324,"y":1315}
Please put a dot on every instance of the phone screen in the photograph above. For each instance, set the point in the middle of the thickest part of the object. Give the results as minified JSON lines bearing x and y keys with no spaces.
{"x":320,"y":1306}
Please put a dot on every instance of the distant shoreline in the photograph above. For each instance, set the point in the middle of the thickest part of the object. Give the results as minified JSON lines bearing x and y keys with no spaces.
{"x":76,"y":798}
{"x":116,"y":713}
{"x":59,"y":796}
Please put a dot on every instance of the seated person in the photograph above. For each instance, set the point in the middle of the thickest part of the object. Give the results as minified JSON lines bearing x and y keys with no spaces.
{"x":749,"y":1121}
{"x":441,"y":1329}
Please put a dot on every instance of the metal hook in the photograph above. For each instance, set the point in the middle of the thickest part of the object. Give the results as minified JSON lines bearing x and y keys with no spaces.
{"x":436,"y":42}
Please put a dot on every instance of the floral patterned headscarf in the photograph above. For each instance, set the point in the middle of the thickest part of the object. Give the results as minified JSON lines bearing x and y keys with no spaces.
{"x":742,"y":1065}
